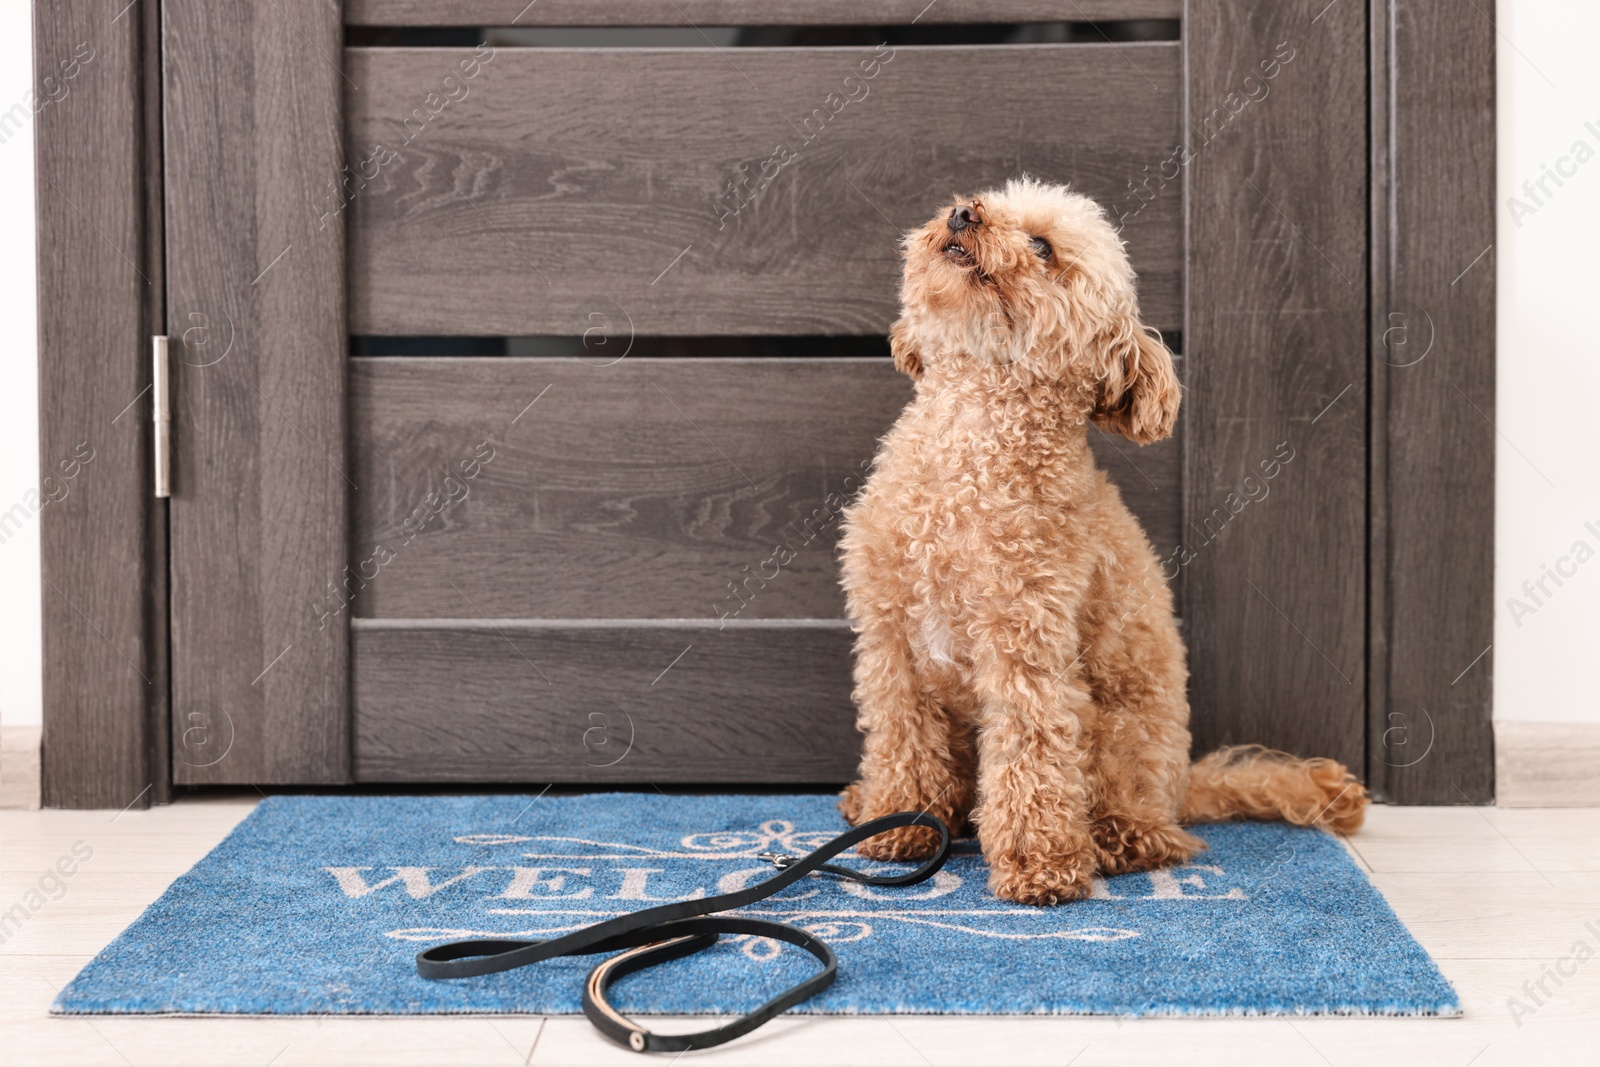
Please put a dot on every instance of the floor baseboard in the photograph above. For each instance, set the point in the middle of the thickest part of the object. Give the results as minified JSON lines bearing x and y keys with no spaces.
{"x":1547,"y":764}
{"x":19,"y":767}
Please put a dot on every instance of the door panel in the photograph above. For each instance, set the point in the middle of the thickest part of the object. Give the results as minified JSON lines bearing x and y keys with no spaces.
{"x":569,"y":179}
{"x":503,"y":701}
{"x":648,"y":489}
{"x":256,"y":315}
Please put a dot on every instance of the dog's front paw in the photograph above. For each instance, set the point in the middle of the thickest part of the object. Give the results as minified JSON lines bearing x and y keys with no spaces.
{"x":1040,"y":881}
{"x":851,"y":803}
{"x":859,"y":805}
{"x":901,"y":843}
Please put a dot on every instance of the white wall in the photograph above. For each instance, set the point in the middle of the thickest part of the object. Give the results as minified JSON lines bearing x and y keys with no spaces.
{"x":19,"y":423}
{"x":1546,"y":660}
{"x":1547,"y":482}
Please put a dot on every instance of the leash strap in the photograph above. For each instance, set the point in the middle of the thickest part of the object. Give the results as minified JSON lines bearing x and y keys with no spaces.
{"x":682,"y":928}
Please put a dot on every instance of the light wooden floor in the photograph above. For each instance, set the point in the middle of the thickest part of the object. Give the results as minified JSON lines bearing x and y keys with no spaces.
{"x":1495,"y":895}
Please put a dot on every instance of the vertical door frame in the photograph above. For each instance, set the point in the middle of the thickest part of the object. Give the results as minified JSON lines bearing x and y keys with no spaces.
{"x":1432,"y":445}
{"x":101,"y":288}
{"x":101,"y":260}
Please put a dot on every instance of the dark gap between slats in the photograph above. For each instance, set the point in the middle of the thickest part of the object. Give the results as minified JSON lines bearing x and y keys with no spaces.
{"x":607,"y":350}
{"x":601,"y":351}
{"x":761,"y":36}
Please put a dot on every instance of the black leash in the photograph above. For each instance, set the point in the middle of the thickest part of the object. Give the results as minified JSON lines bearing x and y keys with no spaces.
{"x":682,"y":928}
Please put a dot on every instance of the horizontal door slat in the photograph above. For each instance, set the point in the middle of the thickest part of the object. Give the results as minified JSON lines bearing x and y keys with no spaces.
{"x":680,"y":488}
{"x":628,"y":704}
{"x":740,"y":12}
{"x":565,"y":184}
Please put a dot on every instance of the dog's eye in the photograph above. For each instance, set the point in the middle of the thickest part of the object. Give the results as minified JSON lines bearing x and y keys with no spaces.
{"x":1042,"y":247}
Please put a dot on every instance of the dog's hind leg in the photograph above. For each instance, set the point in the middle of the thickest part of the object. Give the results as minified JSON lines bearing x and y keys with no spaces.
{"x":1141,"y":768}
{"x":1132,"y":662}
{"x":916,"y":756}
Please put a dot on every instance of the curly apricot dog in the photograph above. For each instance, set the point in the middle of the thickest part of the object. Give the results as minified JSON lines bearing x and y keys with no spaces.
{"x":1017,"y":662}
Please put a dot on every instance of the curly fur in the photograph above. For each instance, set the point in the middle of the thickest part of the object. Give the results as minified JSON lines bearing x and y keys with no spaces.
{"x":1017,"y":662}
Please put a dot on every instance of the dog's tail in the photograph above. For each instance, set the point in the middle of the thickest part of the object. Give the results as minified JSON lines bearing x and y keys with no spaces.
{"x":1252,"y":782}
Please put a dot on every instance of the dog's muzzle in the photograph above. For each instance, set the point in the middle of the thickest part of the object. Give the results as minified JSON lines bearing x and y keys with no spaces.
{"x":962,"y":222}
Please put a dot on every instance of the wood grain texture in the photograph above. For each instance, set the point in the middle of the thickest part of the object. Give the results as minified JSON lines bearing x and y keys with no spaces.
{"x":563,"y":182}
{"x":1276,"y":347}
{"x":1433,"y":366}
{"x":102,"y":663}
{"x":740,"y":12}
{"x":1546,"y":764}
{"x":667,"y":488}
{"x":256,"y":315}
{"x":505,"y":702}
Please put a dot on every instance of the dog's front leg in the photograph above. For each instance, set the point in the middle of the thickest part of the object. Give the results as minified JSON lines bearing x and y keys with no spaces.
{"x":914,"y":757}
{"x":1033,"y":790}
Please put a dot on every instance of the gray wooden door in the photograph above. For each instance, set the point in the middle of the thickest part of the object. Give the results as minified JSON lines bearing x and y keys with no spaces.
{"x":520,"y":386}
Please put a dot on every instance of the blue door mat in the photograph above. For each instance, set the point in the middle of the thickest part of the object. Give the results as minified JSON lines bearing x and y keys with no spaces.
{"x":317,"y":904}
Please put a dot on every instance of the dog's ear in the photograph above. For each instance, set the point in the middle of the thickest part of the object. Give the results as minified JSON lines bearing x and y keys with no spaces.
{"x":1138,"y":390}
{"x":906,"y":359}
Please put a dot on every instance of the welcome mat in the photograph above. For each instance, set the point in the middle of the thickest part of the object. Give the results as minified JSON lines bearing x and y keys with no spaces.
{"x":317,"y":904}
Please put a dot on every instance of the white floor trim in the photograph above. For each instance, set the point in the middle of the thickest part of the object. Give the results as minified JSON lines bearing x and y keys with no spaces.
{"x":19,"y":767}
{"x":1547,"y":765}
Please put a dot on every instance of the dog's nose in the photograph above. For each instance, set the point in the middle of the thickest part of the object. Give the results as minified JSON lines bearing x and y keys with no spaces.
{"x":960,"y":218}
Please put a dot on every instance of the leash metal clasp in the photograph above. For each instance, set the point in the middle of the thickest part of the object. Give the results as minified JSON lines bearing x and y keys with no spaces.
{"x":780,"y":860}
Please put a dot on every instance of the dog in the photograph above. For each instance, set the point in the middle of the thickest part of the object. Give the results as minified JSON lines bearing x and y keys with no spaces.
{"x":1017,"y":664}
